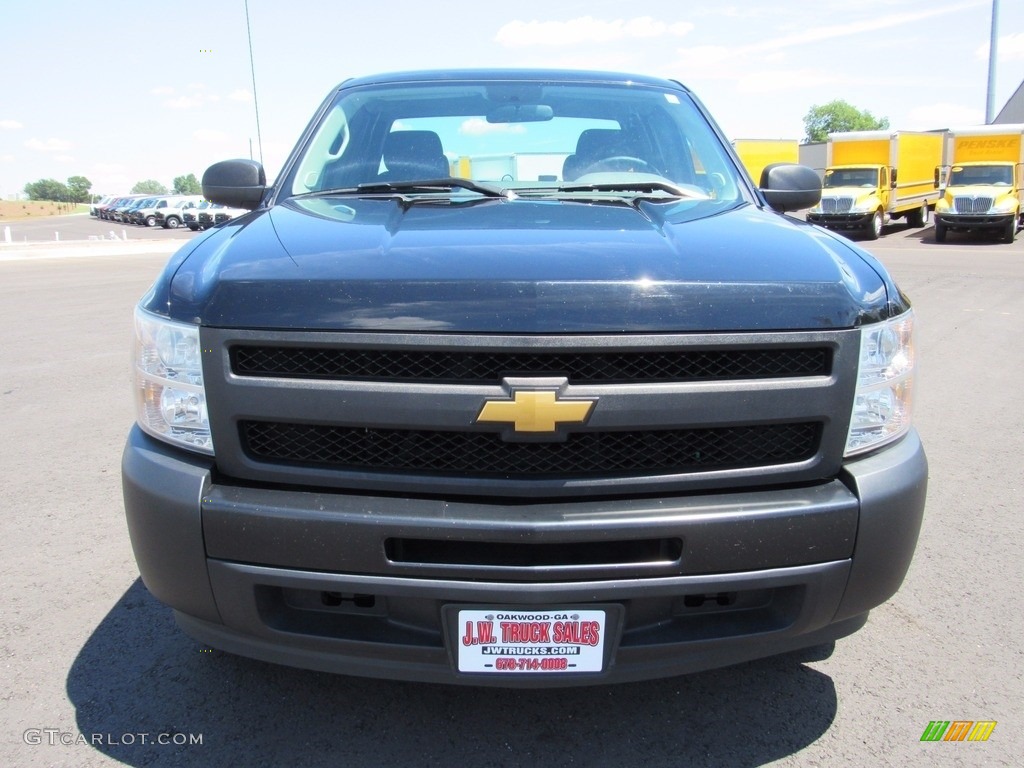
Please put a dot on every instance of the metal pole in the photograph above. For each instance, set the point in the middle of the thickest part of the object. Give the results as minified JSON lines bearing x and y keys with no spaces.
{"x":990,"y":106}
{"x":252,"y":69}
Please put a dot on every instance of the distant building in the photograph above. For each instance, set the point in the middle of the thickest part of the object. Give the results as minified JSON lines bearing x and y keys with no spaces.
{"x":1013,"y":111}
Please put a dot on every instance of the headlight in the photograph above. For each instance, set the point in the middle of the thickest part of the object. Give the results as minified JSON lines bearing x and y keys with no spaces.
{"x":864,"y":205}
{"x":170,"y":401}
{"x":1006,"y":205}
{"x":885,"y":385}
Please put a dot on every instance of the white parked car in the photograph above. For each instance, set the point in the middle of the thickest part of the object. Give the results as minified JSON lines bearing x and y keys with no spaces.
{"x":146,"y":213}
{"x":171,"y":216}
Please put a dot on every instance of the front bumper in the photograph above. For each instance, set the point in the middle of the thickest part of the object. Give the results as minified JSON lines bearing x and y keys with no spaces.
{"x":842,"y":220}
{"x":972,"y":222}
{"x":367,"y":585}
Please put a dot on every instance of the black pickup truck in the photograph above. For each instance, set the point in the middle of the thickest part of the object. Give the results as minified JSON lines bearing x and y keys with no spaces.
{"x":515,"y":378}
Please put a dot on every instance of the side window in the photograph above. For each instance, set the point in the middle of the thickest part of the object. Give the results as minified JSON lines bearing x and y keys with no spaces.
{"x":324,"y":153}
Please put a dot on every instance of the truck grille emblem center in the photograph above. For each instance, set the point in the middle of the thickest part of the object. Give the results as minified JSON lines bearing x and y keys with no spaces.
{"x":535,"y":411}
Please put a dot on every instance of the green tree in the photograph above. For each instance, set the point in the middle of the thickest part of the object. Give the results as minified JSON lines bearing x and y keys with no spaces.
{"x":79,"y":187}
{"x":838,"y":116}
{"x":47,"y":189}
{"x":187,"y":185}
{"x":149,"y":187}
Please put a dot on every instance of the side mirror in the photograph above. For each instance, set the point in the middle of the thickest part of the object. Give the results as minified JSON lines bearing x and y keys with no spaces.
{"x":892,"y":178}
{"x":235,"y":183}
{"x":790,"y":187}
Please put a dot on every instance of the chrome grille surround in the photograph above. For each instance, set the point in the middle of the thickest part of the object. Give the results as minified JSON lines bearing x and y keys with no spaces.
{"x":674,"y":428}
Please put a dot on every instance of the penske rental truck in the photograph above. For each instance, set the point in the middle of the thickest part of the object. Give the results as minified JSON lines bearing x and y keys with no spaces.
{"x":875,"y":177}
{"x":984,"y":184}
{"x":757,"y":154}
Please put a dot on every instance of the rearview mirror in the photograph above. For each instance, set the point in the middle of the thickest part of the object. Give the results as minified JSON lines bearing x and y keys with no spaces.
{"x":521,"y":113}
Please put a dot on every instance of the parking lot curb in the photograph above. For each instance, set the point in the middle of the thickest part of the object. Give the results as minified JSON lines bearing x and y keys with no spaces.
{"x":84,"y":249}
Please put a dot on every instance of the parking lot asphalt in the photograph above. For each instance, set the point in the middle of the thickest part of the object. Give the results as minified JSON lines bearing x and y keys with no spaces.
{"x":59,"y":231}
{"x":96,"y":673}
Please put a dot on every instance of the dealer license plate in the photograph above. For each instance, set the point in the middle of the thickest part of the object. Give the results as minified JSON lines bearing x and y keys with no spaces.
{"x":534,"y":642}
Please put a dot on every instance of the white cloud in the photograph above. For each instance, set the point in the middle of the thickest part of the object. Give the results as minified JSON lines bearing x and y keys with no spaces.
{"x":6,"y":158}
{"x":64,"y":158}
{"x":209,"y":136}
{"x":240,"y":94}
{"x":10,"y":125}
{"x":50,"y":145}
{"x":163,"y":90}
{"x":1011,"y":47}
{"x":768,"y":81}
{"x":697,"y":58}
{"x":583,"y":58}
{"x":586,"y":29}
{"x":477,"y":126}
{"x":745,"y":64}
{"x":943,"y":116}
{"x":192,"y":101}
{"x":1008,"y":48}
{"x":198,"y":95}
{"x":184,"y":102}
{"x":817,"y":34}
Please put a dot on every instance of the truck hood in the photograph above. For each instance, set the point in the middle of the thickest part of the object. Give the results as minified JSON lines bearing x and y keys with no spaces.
{"x":980,"y":190}
{"x":521,"y":266}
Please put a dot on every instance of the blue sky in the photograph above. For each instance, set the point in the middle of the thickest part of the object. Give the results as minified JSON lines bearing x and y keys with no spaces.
{"x":123,"y":91}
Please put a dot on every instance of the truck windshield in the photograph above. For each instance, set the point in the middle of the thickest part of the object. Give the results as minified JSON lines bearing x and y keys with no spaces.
{"x":963,"y":176}
{"x":530,"y":135}
{"x":851,"y":177}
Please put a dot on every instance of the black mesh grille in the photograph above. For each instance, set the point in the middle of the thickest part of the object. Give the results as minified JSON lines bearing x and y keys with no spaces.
{"x":485,"y":454}
{"x":491,"y":367}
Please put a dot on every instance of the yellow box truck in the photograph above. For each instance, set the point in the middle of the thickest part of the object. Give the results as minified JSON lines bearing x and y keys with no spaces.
{"x":874,"y":177}
{"x":756,"y":154}
{"x":984,"y":189}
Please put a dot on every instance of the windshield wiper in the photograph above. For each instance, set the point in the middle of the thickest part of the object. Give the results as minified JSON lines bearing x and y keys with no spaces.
{"x":422,"y":185}
{"x":640,"y":186}
{"x":430,"y":185}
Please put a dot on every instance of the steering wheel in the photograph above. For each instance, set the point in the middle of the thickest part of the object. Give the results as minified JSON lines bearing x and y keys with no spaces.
{"x":621,"y":163}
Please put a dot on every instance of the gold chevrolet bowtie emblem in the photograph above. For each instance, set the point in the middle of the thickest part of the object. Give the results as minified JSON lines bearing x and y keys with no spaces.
{"x":535,"y":411}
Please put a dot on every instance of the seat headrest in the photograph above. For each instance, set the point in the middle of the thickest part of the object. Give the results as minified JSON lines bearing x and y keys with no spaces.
{"x":596,"y":143}
{"x":411,"y":146}
{"x":411,"y":155}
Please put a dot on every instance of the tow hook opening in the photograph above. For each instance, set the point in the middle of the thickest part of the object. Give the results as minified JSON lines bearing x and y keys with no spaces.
{"x":336,"y":599}
{"x":714,"y":598}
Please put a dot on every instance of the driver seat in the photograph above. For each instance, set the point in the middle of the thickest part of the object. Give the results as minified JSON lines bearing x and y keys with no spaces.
{"x":595,"y":144}
{"x":414,"y":156}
